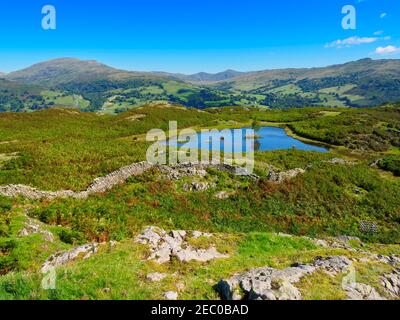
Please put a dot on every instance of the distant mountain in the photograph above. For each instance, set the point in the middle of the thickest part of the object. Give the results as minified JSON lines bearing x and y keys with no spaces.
{"x":362,"y":68}
{"x":364,"y":82}
{"x":210,"y":77}
{"x":101,"y":85}
{"x":66,"y":70}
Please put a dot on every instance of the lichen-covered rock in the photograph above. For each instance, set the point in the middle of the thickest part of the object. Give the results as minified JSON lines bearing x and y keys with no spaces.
{"x":61,"y":258}
{"x":361,"y":291}
{"x":196,"y":186}
{"x":279,"y":177}
{"x":183,"y":170}
{"x":264,"y":284}
{"x":164,"y":246}
{"x":34,"y":227}
{"x":222,"y":195}
{"x":391,"y":283}
{"x":171,"y":295}
{"x":273,"y":284}
{"x":156,"y":276}
{"x":333,"y":265}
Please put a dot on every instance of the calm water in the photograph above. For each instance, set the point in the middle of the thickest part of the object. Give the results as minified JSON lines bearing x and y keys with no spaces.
{"x":266,"y":138}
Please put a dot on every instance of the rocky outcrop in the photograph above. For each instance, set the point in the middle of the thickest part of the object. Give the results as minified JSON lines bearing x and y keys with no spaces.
{"x":64,"y":257}
{"x":200,"y":169}
{"x":184,"y":170}
{"x":273,"y":284}
{"x":340,"y":161}
{"x":264,"y":284}
{"x":342,"y":242}
{"x":61,"y":258}
{"x":222,"y":195}
{"x":197,"y":186}
{"x":332,"y":265}
{"x":361,"y":291}
{"x":155,"y":276}
{"x":171,"y":295}
{"x":34,"y":227}
{"x":282,"y":176}
{"x":166,"y":246}
{"x":391,"y":283}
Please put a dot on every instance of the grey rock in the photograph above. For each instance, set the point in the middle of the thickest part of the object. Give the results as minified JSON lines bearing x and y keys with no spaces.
{"x":61,"y":258}
{"x":273,"y":284}
{"x":264,"y":284}
{"x":171,"y":295}
{"x":155,"y":276}
{"x":150,"y":235}
{"x":339,"y":161}
{"x":34,"y":227}
{"x":333,"y":265}
{"x":280,"y":177}
{"x":164,"y":247}
{"x":202,"y":255}
{"x":361,"y":291}
{"x":196,"y":186}
{"x":197,"y":234}
{"x":391,"y":283}
{"x":222,"y":195}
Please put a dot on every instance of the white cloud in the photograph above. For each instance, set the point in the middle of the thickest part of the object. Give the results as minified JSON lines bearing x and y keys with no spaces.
{"x":383,"y":14}
{"x":387,"y":50}
{"x":378,"y":33}
{"x":344,"y":43}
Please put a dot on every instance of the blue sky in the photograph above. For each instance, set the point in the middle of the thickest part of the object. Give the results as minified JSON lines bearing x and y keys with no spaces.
{"x":199,"y":35}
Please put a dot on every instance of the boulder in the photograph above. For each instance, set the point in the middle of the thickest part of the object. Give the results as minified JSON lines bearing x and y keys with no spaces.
{"x":171,"y":295}
{"x":164,"y":246}
{"x":282,"y":176}
{"x":64,"y":257}
{"x":222,"y":195}
{"x":34,"y":227}
{"x":361,"y":291}
{"x":333,"y":265}
{"x":267,"y":283}
{"x":196,"y":186}
{"x":264,"y":284}
{"x":155,"y":276}
{"x":391,"y":283}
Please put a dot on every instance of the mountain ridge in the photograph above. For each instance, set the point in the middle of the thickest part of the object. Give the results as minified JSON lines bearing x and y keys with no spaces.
{"x":365,"y":82}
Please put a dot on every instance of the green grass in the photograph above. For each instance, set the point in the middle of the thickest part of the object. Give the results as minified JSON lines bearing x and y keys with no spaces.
{"x":120,"y":273}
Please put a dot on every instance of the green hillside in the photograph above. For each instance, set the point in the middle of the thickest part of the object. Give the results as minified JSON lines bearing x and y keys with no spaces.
{"x":254,"y":222}
{"x":101,"y":88}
